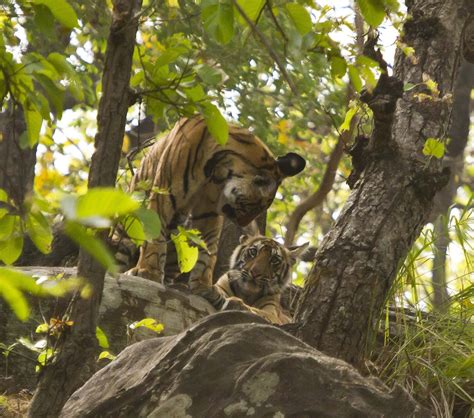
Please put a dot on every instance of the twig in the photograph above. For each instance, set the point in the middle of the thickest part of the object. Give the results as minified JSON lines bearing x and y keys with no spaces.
{"x":267,"y":45}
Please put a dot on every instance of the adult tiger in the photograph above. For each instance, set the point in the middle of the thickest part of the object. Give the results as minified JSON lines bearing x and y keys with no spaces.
{"x":206,"y":181}
{"x":260,"y":270}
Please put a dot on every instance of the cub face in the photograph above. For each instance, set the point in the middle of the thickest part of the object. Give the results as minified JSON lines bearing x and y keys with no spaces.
{"x":261,"y":267}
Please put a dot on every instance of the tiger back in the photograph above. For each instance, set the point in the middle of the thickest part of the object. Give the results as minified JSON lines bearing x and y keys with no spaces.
{"x":196,"y":179}
{"x":260,"y":269}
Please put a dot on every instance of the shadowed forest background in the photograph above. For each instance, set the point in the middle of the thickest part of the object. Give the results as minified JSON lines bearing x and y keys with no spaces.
{"x":306,"y":76}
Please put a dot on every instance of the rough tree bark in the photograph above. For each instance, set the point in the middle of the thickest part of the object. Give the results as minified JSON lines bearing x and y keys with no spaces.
{"x":393,"y":192}
{"x":17,"y":165}
{"x":74,"y":363}
{"x":458,"y":134}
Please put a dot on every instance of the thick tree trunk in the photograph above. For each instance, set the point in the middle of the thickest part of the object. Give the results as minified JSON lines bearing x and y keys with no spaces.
{"x":358,"y":260}
{"x":75,"y":361}
{"x":17,"y":165}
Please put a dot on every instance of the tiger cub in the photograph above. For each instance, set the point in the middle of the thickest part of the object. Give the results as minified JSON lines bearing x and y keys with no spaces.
{"x":260,"y":268}
{"x":205,"y":181}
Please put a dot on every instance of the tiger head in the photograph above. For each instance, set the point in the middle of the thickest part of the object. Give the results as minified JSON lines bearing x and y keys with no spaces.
{"x":248,"y":189}
{"x":261,"y":267}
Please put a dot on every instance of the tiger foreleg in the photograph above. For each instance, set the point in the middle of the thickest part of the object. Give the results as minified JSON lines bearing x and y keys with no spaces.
{"x":151,"y":264}
{"x":210,"y":226}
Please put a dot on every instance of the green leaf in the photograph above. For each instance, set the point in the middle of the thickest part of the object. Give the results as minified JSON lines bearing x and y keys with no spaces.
{"x":338,"y":66}
{"x":62,"y":11}
{"x":218,"y":20}
{"x":99,"y":203}
{"x":39,"y":231}
{"x":61,"y":64}
{"x":216,"y":124}
{"x":187,"y":255}
{"x":148,"y":323}
{"x":95,"y":247}
{"x":300,"y":17}
{"x":101,"y":338}
{"x":434,"y":147}
{"x":196,"y":93}
{"x":373,"y":11}
{"x":355,"y":78}
{"x":8,"y":225}
{"x":210,"y":75}
{"x":409,"y":86}
{"x":10,"y":249}
{"x":346,"y":125}
{"x":251,"y":8}
{"x":193,"y":235}
{"x":10,"y":292}
{"x":134,"y":229}
{"x":151,"y":222}
{"x":3,"y":196}
{"x":33,"y":121}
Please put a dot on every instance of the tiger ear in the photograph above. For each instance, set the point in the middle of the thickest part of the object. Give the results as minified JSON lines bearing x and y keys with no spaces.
{"x":290,"y":164}
{"x":298,"y":251}
{"x":243,"y":238}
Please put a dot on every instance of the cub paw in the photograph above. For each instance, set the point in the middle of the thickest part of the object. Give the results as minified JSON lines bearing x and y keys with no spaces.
{"x":234,"y":304}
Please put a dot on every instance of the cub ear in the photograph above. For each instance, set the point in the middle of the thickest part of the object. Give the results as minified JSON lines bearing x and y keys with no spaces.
{"x":298,"y":251}
{"x":243,"y":238}
{"x":290,"y":164}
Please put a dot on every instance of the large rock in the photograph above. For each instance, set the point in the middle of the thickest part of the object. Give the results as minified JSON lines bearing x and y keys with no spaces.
{"x":233,"y":364}
{"x":125,"y":299}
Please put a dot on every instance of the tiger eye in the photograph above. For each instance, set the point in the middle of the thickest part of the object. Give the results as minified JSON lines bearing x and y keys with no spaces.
{"x":252,"y":252}
{"x":275,"y":261}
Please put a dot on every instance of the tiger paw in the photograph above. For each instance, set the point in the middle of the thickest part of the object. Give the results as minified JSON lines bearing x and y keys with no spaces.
{"x":144,"y":273}
{"x":234,"y":304}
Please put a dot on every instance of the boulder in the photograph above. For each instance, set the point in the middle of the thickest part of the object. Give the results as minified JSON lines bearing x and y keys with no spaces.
{"x":233,"y":364}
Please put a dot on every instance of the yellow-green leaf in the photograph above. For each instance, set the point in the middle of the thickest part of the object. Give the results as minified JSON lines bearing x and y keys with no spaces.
{"x":345,"y":126}
{"x":187,"y":255}
{"x":107,"y":354}
{"x":149,"y":323}
{"x":101,"y":338}
{"x":434,"y":147}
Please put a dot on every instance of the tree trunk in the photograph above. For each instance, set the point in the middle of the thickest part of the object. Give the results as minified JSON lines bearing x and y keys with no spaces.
{"x":75,"y":362}
{"x":392,"y":198}
{"x":459,"y":134}
{"x":17,"y":165}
